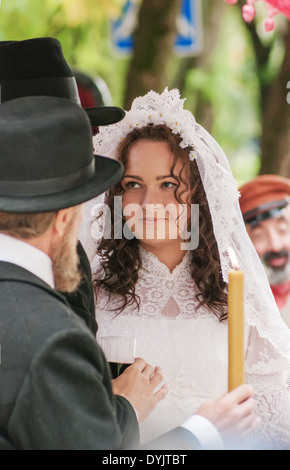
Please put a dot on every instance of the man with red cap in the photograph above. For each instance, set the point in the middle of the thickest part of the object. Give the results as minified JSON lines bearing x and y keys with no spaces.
{"x":265,"y":205}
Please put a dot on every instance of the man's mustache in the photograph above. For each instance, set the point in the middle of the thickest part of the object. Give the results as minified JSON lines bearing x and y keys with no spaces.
{"x":274,"y":255}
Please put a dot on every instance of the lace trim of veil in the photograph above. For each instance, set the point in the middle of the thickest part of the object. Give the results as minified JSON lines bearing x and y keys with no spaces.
{"x":222,"y":195}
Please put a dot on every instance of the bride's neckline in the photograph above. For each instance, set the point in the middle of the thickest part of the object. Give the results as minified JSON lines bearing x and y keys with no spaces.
{"x":151,"y":262}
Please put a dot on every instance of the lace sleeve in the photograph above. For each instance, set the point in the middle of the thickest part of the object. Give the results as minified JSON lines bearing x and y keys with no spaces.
{"x":273,"y":408}
{"x":271,"y":391}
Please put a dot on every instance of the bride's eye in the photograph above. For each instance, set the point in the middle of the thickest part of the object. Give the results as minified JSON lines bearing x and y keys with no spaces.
{"x":168,"y":184}
{"x":131,"y":185}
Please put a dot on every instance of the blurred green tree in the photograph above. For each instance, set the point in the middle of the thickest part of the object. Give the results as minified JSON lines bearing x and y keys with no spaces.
{"x":80,"y":25}
{"x":272,"y":59}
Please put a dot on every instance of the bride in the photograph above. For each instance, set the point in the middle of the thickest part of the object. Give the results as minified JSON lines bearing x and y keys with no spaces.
{"x":160,"y":263}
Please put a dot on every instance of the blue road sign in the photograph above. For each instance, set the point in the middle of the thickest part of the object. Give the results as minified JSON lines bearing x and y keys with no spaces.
{"x":188,"y":40}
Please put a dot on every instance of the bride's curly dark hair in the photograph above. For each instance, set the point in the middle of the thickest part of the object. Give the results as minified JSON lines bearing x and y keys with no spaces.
{"x":120,"y":259}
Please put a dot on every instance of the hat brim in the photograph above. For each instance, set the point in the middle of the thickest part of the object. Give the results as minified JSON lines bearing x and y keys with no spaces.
{"x":266,"y":211}
{"x":105,"y":115}
{"x":107,"y":173}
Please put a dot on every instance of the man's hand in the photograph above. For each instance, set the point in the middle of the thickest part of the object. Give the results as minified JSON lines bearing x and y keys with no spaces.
{"x":140,"y":384}
{"x":233,"y":414}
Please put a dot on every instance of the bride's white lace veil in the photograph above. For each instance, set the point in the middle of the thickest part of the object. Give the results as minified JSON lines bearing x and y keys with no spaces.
{"x":269,"y":348}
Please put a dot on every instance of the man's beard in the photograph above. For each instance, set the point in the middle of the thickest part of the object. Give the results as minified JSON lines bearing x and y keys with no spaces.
{"x":277,"y":274}
{"x":65,"y":265}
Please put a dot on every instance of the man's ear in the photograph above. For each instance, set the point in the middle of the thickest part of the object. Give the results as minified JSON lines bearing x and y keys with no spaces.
{"x":62,"y":220}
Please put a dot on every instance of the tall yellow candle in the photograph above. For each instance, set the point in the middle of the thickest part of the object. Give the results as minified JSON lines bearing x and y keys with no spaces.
{"x":236,"y":374}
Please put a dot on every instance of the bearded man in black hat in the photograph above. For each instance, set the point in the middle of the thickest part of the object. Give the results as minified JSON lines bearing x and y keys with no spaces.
{"x":55,"y":383}
{"x":34,"y":67}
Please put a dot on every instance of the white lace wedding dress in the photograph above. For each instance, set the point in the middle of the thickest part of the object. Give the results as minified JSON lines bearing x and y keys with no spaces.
{"x":190,"y":345}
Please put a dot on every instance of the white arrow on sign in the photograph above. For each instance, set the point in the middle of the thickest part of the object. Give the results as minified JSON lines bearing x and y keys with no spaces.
{"x":189,"y":26}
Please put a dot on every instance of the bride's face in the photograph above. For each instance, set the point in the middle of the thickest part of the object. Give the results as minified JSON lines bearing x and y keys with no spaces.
{"x":150,"y":207}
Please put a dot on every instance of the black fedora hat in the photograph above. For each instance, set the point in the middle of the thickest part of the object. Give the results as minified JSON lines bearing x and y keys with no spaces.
{"x":37,"y":67}
{"x":46,"y":156}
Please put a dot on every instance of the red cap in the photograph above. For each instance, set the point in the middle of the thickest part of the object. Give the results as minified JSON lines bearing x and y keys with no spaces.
{"x":264,"y":194}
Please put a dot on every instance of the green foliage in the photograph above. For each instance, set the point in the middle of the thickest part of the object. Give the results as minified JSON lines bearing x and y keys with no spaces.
{"x":82,"y":27}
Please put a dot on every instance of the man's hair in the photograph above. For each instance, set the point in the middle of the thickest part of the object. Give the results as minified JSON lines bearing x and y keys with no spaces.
{"x":25,"y":226}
